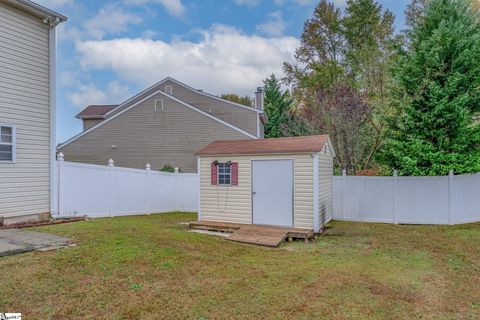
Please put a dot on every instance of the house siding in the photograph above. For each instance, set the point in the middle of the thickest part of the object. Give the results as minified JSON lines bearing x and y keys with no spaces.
{"x":25,"y":103}
{"x":240,"y":117}
{"x":88,"y":123}
{"x":325,"y":186}
{"x":144,"y":135}
{"x":234,"y":204}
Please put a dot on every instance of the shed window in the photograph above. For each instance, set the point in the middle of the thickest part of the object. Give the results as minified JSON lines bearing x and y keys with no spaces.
{"x":224,"y":174}
{"x":7,"y":143}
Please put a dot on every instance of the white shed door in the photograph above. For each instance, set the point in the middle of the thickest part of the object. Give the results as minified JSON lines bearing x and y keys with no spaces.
{"x":272,"y":192}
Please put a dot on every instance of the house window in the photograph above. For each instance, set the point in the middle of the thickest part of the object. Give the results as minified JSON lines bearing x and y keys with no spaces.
{"x":7,"y":143}
{"x":224,"y":174}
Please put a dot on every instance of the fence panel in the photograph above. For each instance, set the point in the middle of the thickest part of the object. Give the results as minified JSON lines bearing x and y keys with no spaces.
{"x":83,"y":188}
{"x":423,"y":200}
{"x":409,"y":200}
{"x":129,"y":192}
{"x":102,"y":191}
{"x":466,"y":198}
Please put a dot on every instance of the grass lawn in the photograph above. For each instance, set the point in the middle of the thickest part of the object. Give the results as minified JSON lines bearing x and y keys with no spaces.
{"x":150,"y":267}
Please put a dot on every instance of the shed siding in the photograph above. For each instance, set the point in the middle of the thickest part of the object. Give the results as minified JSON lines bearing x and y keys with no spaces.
{"x":25,"y":103}
{"x":325,"y":186}
{"x":234,"y":204}
{"x":144,"y":135}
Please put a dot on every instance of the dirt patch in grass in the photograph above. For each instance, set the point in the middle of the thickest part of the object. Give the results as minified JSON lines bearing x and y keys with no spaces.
{"x":150,"y":267}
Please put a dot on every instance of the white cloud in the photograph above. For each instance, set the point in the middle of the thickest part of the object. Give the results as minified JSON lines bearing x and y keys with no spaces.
{"x":89,"y":94}
{"x":54,"y":3}
{"x":149,"y":34}
{"x":173,"y":7}
{"x":274,"y":26}
{"x":248,"y":3}
{"x":224,"y":60}
{"x":110,"y":20}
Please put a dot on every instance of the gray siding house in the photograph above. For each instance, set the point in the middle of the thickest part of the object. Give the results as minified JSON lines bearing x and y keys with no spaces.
{"x":27,"y":110}
{"x":164,"y":124}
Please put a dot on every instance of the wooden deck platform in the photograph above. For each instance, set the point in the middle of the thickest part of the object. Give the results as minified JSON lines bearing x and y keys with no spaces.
{"x":264,"y":235}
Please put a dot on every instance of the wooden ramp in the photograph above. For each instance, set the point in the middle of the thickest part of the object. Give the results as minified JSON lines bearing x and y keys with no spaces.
{"x":270,"y":236}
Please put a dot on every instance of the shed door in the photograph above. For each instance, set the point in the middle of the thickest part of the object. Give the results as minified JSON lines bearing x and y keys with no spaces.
{"x":272,"y":192}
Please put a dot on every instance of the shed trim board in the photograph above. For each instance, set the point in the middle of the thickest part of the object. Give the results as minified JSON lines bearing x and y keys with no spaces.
{"x":146,"y":98}
{"x":316,"y":223}
{"x":199,"y":186}
{"x":252,"y":180}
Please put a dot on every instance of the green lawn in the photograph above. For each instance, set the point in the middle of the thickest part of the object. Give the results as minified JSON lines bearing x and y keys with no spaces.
{"x":150,"y":267}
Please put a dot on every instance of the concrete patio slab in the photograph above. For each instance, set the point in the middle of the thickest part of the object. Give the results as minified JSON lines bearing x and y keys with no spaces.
{"x":13,"y":241}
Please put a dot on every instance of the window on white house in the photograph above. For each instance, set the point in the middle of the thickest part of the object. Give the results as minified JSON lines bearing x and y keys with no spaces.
{"x":224,"y":174}
{"x":7,"y":143}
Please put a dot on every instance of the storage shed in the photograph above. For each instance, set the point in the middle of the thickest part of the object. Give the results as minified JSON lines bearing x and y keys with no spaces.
{"x":281,"y":182}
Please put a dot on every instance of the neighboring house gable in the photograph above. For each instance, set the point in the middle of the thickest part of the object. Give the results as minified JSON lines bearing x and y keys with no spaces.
{"x":243,"y":117}
{"x":27,"y":111}
{"x":156,"y":129}
{"x":240,"y":116}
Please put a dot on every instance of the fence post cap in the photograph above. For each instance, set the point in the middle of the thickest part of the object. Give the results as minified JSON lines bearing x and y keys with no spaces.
{"x":110,"y":162}
{"x":147,"y":167}
{"x":450,"y":173}
{"x":395,"y":173}
{"x":60,"y":157}
{"x":176,"y":169}
{"x":344,"y":172}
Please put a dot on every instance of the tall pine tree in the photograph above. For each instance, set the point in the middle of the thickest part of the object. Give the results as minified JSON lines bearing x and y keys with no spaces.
{"x":437,"y":82}
{"x":278,"y":103}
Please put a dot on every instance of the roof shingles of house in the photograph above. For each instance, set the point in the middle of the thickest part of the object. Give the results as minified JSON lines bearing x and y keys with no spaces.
{"x":96,"y":111}
{"x":266,"y":146}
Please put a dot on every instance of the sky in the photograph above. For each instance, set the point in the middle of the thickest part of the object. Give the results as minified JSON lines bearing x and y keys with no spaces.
{"x":109,"y":50}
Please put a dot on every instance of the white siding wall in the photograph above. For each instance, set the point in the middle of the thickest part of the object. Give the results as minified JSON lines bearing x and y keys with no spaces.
{"x":24,"y":102}
{"x":325,"y":186}
{"x":233,"y":204}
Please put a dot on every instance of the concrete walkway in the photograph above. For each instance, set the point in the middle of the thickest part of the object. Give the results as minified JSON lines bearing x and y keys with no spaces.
{"x":14,"y":241}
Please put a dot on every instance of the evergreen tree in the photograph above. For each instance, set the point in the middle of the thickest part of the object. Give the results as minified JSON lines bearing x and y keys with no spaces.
{"x":277,"y":106}
{"x":437,"y":81}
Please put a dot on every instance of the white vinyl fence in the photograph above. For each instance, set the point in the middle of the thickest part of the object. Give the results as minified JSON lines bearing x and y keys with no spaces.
{"x":448,"y":199}
{"x":103,"y":191}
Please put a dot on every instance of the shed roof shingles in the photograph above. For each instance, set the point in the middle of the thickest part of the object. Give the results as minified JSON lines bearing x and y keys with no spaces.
{"x":265,"y":146}
{"x":98,"y":110}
